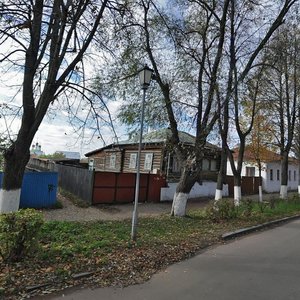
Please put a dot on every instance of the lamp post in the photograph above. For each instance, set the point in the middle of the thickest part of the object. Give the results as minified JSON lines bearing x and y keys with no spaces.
{"x":145,"y":75}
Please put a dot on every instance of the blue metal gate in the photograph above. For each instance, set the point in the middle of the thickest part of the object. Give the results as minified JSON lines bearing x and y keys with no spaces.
{"x":39,"y":189}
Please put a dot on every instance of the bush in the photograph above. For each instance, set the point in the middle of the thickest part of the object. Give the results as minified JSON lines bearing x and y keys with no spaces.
{"x":222,"y":210}
{"x":247,"y":207}
{"x":18,"y":233}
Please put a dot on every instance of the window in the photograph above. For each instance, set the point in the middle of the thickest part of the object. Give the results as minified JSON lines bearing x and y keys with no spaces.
{"x":250,"y":171}
{"x":271,"y":174}
{"x":175,"y":165}
{"x":205,"y":164}
{"x":213,"y":165}
{"x":290,"y":175}
{"x":112,"y":161}
{"x":295,"y":175}
{"x":132,"y":161}
{"x":278,"y":174}
{"x":148,"y":161}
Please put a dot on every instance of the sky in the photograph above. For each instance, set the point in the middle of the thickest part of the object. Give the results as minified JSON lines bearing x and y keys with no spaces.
{"x":56,"y":133}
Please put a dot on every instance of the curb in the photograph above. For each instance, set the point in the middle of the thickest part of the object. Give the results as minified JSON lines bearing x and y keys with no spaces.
{"x":243,"y":231}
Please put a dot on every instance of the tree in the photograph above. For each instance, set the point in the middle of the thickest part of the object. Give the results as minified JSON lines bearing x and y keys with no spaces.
{"x":48,"y":40}
{"x":3,"y":145}
{"x":187,"y":47}
{"x":260,"y":140}
{"x":244,"y":72}
{"x":189,"y":97}
{"x":56,"y":155}
{"x":281,"y":82}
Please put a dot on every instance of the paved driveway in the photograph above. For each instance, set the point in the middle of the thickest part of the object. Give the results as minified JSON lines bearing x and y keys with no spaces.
{"x":260,"y":266}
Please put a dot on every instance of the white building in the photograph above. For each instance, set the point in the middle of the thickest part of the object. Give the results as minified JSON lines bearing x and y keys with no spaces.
{"x":271,"y":171}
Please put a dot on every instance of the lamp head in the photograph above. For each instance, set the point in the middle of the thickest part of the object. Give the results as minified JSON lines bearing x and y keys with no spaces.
{"x":145,"y":75}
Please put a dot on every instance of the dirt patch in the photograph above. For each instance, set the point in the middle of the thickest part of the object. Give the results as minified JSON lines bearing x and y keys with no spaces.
{"x":108,"y":209}
{"x":106,"y":212}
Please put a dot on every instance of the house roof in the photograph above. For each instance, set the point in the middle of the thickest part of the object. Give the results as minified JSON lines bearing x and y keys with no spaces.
{"x":160,"y":136}
{"x":266,"y":155}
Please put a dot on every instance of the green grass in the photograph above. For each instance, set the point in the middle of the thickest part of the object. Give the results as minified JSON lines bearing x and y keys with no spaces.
{"x":105,"y":247}
{"x":62,"y":241}
{"x":74,"y":199}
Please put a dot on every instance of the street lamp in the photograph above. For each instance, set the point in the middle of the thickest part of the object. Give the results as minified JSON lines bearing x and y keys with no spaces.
{"x":145,"y":76}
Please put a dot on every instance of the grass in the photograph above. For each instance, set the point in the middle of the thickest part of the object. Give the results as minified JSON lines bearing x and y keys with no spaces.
{"x":105,"y":247}
{"x":74,"y":199}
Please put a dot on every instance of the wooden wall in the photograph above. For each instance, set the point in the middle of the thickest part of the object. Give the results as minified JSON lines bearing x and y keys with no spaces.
{"x":156,"y":160}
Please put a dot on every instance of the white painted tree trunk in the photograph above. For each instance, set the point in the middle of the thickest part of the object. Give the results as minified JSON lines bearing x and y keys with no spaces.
{"x":260,"y":193}
{"x":179,"y":204}
{"x":9,"y":200}
{"x":237,"y":195}
{"x":218,"y":195}
{"x":299,"y":189}
{"x":283,"y":192}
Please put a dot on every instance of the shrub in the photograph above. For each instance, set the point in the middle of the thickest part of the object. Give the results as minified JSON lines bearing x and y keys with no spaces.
{"x":272,"y":202}
{"x":247,"y":207}
{"x":222,"y":210}
{"x":18,"y":233}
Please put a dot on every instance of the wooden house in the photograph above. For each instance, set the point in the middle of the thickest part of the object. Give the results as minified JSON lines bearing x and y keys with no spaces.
{"x":157,"y":156}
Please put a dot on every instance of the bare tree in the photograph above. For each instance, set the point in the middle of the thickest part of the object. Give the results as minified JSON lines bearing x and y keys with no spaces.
{"x":245,"y":69}
{"x":188,"y":47}
{"x":47,"y":40}
{"x":281,"y":89}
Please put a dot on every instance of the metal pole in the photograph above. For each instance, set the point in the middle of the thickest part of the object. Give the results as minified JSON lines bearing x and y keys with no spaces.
{"x":137,"y":184}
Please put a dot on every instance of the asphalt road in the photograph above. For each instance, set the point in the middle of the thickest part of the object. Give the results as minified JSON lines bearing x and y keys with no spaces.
{"x":263,"y":265}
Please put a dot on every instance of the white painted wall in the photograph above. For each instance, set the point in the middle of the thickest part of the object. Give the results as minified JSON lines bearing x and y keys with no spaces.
{"x":269,"y":185}
{"x":230,"y":173}
{"x":274,"y":185}
{"x":207,"y":189}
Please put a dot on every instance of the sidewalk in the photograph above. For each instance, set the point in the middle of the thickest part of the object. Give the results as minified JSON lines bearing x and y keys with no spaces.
{"x":70,"y":212}
{"x":108,"y":212}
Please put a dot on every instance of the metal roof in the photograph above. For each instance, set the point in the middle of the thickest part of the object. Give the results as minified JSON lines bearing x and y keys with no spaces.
{"x":160,"y":136}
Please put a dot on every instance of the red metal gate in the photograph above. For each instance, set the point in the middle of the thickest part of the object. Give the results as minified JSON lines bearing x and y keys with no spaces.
{"x":120,"y":187}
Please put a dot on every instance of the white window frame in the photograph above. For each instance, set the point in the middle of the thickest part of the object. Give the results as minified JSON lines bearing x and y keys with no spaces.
{"x":132,"y":160}
{"x":112,"y":161}
{"x":148,"y":161}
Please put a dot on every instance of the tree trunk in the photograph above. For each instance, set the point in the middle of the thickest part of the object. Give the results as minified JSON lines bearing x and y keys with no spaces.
{"x":221,"y":176}
{"x":260,"y":183}
{"x":15,"y":161}
{"x":284,"y":175}
{"x":237,"y":190}
{"x":299,"y":172}
{"x":182,"y":193}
